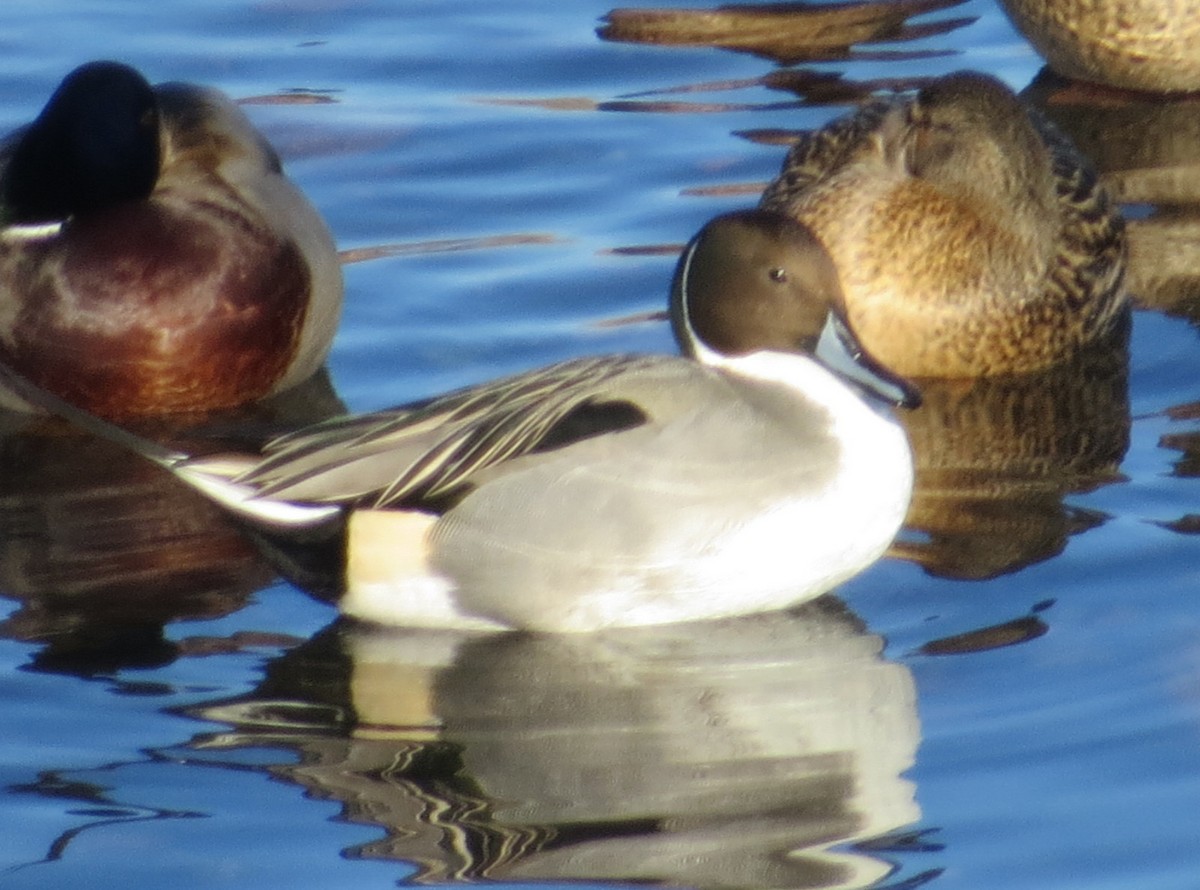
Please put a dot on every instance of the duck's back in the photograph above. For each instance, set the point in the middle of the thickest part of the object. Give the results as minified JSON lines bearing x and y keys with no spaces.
{"x":734,"y":496}
{"x":1134,"y":44}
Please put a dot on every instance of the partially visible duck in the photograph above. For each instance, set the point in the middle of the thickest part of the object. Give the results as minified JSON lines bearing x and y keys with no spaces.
{"x":153,"y":256}
{"x":613,"y":491}
{"x":971,"y":238}
{"x":1151,"y":45}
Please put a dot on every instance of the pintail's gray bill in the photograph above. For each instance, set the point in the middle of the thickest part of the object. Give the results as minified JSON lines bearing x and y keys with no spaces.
{"x":839,"y":350}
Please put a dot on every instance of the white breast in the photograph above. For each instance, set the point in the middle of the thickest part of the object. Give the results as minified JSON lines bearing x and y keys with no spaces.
{"x":813,"y":541}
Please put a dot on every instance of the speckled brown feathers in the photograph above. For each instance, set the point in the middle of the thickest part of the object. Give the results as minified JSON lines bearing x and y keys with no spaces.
{"x":1133,"y":44}
{"x":970,"y":236}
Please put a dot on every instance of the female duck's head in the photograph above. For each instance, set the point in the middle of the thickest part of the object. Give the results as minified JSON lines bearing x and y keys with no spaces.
{"x":757,"y":280}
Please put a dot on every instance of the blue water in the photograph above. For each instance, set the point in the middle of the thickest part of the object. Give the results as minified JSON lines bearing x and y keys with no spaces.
{"x":173,"y":715}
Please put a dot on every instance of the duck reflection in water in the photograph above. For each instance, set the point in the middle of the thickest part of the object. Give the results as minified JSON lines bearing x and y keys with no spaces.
{"x":1147,"y":150}
{"x":788,"y":32}
{"x":749,"y":752}
{"x":997,"y":458}
{"x":101,"y":552}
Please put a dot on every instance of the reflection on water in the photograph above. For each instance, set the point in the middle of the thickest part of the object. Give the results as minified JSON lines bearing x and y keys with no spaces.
{"x":786,"y":32}
{"x":996,"y":636}
{"x":996,"y":456}
{"x":102,"y":549}
{"x":746,"y":753}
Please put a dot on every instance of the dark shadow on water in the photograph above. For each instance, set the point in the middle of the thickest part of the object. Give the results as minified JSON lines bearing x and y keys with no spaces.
{"x":97,"y":809}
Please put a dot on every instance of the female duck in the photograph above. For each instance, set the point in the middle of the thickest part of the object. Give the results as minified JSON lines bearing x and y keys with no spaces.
{"x":971,"y":238}
{"x":612,"y":491}
{"x":153,"y":257}
{"x":1136,"y":44}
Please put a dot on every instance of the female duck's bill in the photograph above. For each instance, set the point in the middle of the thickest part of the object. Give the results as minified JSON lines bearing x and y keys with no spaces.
{"x":971,"y":238}
{"x":604,"y":492}
{"x":153,"y":257}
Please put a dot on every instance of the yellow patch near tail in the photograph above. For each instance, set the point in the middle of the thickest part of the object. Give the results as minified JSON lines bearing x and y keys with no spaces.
{"x":387,"y":546}
{"x":389,"y":578}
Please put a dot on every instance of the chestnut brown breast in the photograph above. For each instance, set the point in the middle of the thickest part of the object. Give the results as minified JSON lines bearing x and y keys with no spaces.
{"x":155,"y":307}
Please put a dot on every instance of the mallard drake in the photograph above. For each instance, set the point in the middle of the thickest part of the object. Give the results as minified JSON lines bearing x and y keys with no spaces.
{"x":620,"y":490}
{"x":1149,"y":45}
{"x":970,"y":236}
{"x":153,"y":256}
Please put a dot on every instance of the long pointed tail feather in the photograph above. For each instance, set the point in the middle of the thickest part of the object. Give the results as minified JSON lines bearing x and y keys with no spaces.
{"x":213,"y":477}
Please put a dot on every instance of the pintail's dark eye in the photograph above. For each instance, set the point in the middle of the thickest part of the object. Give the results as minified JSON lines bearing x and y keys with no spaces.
{"x":778,"y":274}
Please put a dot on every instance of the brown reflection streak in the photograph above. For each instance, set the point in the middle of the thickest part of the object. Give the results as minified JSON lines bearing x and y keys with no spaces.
{"x":813,"y":89}
{"x":712,"y":86}
{"x":1188,"y":524}
{"x":833,"y":87}
{"x":1010,"y":633}
{"x":301,"y":98}
{"x":996,"y":456}
{"x":627,"y":105}
{"x":772,"y":136}
{"x":656,"y":317}
{"x":691,"y":107}
{"x":1188,"y":446}
{"x":783,"y":32}
{"x":1186,"y":411}
{"x":814,"y":86}
{"x":644,"y":250}
{"x":731,"y":190}
{"x":444,"y":245}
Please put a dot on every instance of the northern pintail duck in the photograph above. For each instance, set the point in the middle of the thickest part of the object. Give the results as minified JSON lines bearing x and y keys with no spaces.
{"x":612,"y":491}
{"x":971,"y":238}
{"x":1149,"y":45}
{"x":153,"y":256}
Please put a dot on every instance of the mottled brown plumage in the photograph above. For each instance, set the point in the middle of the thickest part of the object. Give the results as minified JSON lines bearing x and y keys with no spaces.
{"x":971,"y":238}
{"x":1136,"y":44}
